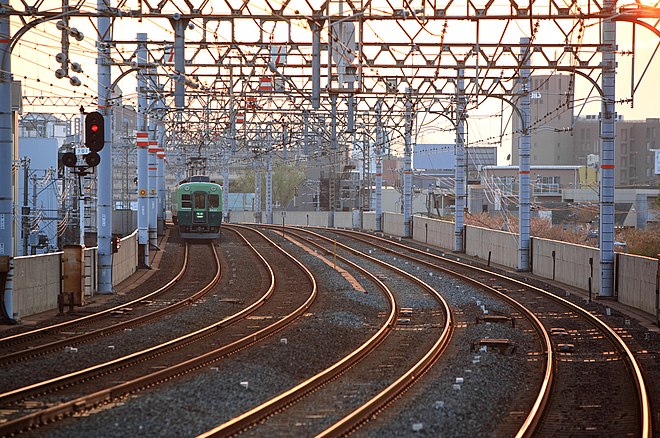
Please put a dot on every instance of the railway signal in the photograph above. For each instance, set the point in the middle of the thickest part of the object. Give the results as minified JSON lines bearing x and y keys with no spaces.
{"x":115,"y":244}
{"x":94,"y":137}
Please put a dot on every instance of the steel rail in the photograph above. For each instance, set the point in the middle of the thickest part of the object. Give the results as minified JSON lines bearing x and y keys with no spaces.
{"x":118,"y":391}
{"x":288,"y":397}
{"x":20,"y":337}
{"x":361,"y":415}
{"x":106,"y":331}
{"x":304,"y":388}
{"x":646,"y":420}
{"x":87,"y":373}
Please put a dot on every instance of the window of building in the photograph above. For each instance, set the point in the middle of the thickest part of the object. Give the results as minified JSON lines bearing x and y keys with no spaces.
{"x":546,"y":184}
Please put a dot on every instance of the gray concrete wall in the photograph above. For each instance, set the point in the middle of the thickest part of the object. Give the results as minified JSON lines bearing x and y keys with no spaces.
{"x":503,"y":246}
{"x":125,"y":261}
{"x":434,"y":232}
{"x":637,"y":277}
{"x":124,"y":221}
{"x":343,"y":219}
{"x":241,"y":216}
{"x":37,"y":281}
{"x":393,"y":224}
{"x":571,"y":263}
{"x":369,"y":220}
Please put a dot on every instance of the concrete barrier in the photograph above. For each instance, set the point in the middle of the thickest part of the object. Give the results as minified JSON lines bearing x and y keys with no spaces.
{"x":393,"y":224}
{"x":571,"y":264}
{"x":434,"y":232}
{"x":125,"y":261}
{"x":37,"y":282}
{"x":636,"y":282}
{"x":241,"y":216}
{"x":343,"y":219}
{"x":369,"y":220}
{"x":502,"y":246}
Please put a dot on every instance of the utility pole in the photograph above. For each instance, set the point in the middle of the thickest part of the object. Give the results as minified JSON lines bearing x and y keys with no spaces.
{"x":459,"y":180}
{"x":269,"y":176}
{"x":607,"y":156}
{"x":524,"y":151}
{"x":104,"y":206}
{"x":142,"y":143}
{"x":366,"y":171}
{"x":257,"y":180}
{"x":25,"y":217}
{"x":160,"y":172}
{"x":379,"y":167}
{"x":6,"y":158}
{"x":316,"y":24}
{"x":152,"y":161}
{"x":407,"y":170}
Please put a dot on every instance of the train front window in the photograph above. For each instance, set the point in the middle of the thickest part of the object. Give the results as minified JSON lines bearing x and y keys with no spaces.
{"x":214,"y":201}
{"x":186,"y":201}
{"x":200,"y":200}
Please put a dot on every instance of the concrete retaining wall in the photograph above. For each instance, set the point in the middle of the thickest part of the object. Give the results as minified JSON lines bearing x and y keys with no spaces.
{"x":637,"y":277}
{"x":343,"y":219}
{"x":369,"y":220}
{"x":434,"y":232}
{"x":503,"y":246}
{"x":125,"y":261}
{"x":241,"y":216}
{"x":571,"y":263}
{"x":37,"y":282}
{"x":393,"y":224}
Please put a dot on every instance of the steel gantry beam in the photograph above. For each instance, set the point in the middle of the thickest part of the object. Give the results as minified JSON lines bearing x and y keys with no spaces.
{"x":298,"y":63}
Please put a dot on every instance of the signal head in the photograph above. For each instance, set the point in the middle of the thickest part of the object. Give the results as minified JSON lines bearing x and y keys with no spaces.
{"x":94,"y":131}
{"x":69,"y":159}
{"x":92,"y":159}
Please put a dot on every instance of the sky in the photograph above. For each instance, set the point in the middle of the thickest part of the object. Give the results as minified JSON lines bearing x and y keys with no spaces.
{"x":34,"y":64}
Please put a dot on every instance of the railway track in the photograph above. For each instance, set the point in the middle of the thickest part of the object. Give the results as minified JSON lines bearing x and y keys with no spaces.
{"x":34,"y":343}
{"x":587,"y":361}
{"x":375,"y":361}
{"x":171,"y":359}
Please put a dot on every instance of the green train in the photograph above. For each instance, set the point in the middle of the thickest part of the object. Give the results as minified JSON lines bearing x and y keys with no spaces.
{"x":197,"y":208}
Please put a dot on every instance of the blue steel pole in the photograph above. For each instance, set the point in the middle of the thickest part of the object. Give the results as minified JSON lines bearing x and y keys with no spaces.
{"x":160,"y":173}
{"x":607,"y":134}
{"x":104,"y":210}
{"x":379,"y":169}
{"x":152,"y":165}
{"x":142,"y":143}
{"x":6,"y":156}
{"x":407,"y":170}
{"x":459,"y":180}
{"x":524,"y":151}
{"x":152,"y":162}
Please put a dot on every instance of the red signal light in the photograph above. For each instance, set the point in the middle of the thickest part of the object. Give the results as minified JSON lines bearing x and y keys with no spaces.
{"x":94,"y":128}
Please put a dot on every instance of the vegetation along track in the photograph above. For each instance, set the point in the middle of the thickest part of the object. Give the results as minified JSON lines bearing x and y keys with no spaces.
{"x":388,"y":355}
{"x":183,"y":356}
{"x":37,"y":342}
{"x":592,"y":364}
